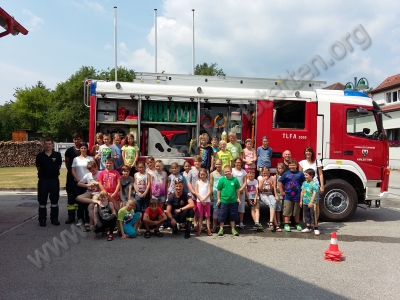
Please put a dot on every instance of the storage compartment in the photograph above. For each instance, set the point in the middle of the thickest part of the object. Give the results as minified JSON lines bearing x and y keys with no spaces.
{"x":106,"y":105}
{"x":106,"y":116}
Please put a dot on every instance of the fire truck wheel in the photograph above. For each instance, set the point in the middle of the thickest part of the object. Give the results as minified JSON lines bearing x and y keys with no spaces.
{"x":338,"y":202}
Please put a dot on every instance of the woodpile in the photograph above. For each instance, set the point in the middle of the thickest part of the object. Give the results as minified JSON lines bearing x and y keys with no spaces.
{"x":19,"y":154}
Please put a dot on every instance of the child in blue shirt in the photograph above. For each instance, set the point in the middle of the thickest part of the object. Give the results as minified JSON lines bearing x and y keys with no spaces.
{"x":308,"y":195}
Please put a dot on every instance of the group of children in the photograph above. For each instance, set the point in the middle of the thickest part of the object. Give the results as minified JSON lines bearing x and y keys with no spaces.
{"x":123,"y":192}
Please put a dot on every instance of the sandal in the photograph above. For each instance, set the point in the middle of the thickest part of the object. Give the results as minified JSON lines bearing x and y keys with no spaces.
{"x":158,"y":233}
{"x":198,"y":232}
{"x":271,"y":225}
{"x":278,"y":229}
{"x":110,"y":237}
{"x":147,"y":234}
{"x":209,"y":233}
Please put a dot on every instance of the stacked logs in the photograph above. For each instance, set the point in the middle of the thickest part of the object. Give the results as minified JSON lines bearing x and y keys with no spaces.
{"x":19,"y":154}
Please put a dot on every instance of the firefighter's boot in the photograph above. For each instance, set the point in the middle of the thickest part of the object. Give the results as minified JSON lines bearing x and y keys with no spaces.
{"x":42,"y":215}
{"x":54,"y":214}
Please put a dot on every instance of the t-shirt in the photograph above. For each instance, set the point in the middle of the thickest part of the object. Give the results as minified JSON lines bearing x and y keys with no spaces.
{"x":215,"y":150}
{"x":80,"y":165}
{"x":264,"y":157}
{"x":228,"y":187}
{"x":123,"y":214}
{"x":71,"y":153}
{"x":306,"y":165}
{"x":205,"y":154}
{"x":154,"y":214}
{"x":251,"y":187}
{"x":240,"y":175}
{"x":130,"y":153}
{"x":104,"y":152}
{"x":118,"y":152}
{"x":90,"y":178}
{"x":158,"y":183}
{"x":109,"y":179}
{"x":235,"y":149}
{"x":292,"y":182}
{"x":171,"y":179}
{"x":178,"y":202}
{"x":267,"y":185}
{"x":125,"y":183}
{"x":193,"y":176}
{"x":49,"y":165}
{"x":308,"y":189}
{"x":225,"y":157}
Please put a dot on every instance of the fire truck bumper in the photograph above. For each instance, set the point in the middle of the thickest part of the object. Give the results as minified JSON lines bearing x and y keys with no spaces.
{"x":380,"y":196}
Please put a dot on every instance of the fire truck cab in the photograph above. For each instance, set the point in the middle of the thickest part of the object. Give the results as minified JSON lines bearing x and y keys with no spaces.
{"x":167,"y":112}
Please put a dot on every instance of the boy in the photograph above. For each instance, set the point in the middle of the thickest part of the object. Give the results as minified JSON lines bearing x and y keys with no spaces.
{"x":86,"y":201}
{"x":224,"y":155}
{"x":153,"y":217}
{"x":192,"y":178}
{"x":252,"y":198}
{"x":214,"y":145}
{"x":126,"y":185}
{"x":228,"y":195}
{"x":264,"y":154}
{"x":290,"y":186}
{"x":308,"y":195}
{"x":205,"y":152}
{"x":109,"y":181}
{"x":105,"y":150}
{"x":129,"y":221}
{"x":234,"y":147}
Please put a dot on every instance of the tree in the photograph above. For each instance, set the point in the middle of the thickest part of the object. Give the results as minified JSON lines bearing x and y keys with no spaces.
{"x":123,"y":74}
{"x":206,"y":69}
{"x":9,"y":121}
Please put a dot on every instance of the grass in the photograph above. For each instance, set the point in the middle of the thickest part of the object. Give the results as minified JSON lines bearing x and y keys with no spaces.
{"x":24,"y":177}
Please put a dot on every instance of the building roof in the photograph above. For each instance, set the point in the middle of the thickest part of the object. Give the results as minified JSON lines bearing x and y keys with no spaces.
{"x":391,"y":107}
{"x":5,"y":19}
{"x":389,"y":83}
{"x":335,"y":86}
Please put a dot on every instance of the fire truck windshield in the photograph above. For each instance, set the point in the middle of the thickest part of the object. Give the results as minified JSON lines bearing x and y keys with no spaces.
{"x":362,"y":123}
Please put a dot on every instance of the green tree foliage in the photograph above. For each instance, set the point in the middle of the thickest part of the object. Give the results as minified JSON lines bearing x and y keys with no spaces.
{"x":205,"y":69}
{"x":123,"y":74}
{"x":9,"y":121}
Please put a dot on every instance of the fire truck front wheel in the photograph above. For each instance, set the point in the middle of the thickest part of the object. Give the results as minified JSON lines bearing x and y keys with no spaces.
{"x":338,"y":202}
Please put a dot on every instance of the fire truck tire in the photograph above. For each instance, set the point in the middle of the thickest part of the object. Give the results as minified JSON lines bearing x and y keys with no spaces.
{"x":338,"y":202}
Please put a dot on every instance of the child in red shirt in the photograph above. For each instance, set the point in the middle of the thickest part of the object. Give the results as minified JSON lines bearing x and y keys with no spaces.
{"x":109,"y":181}
{"x":153,"y":217}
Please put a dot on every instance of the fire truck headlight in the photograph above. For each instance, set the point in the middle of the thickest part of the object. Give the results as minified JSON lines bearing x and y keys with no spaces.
{"x":118,"y":85}
{"x":199,"y":90}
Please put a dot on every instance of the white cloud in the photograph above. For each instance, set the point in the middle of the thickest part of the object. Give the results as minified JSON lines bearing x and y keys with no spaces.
{"x":107,"y":47}
{"x":94,"y":6}
{"x":34,"y":22}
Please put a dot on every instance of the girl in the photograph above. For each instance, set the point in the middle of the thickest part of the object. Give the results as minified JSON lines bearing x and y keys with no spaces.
{"x":174,"y":170}
{"x":310,"y":162}
{"x":192,"y":178}
{"x":250,"y":156}
{"x":95,"y":148}
{"x":78,"y":170}
{"x":186,"y":169}
{"x":266,"y":189}
{"x":117,"y":149}
{"x":214,"y":178}
{"x":104,"y":216}
{"x":280,"y":169}
{"x":130,"y":153}
{"x":203,"y":192}
{"x":159,"y":184}
{"x":151,"y":163}
{"x":264,"y":154}
{"x":142,"y":185}
{"x":241,"y":176}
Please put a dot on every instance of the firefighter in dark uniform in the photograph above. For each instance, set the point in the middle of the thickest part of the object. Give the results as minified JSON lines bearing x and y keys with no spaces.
{"x":48,"y":164}
{"x":179,"y":207}
{"x":70,"y":154}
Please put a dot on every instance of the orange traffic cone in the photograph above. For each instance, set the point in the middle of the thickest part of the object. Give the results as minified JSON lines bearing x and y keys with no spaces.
{"x":333,"y":253}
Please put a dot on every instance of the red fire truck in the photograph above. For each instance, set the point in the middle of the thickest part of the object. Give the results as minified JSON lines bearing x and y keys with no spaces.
{"x":344,"y":127}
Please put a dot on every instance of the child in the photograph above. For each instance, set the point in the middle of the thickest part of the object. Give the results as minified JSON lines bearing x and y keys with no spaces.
{"x":229,"y":199}
{"x":129,"y":221}
{"x":264,"y":154}
{"x":186,"y":168}
{"x":104,"y":216}
{"x":126,"y":185}
{"x":234,"y":147}
{"x":192,"y":178}
{"x":266,"y":190}
{"x":86,"y":201}
{"x":252,"y":198}
{"x":105,"y":150}
{"x":142,"y":186}
{"x":151,"y":163}
{"x":308,"y":197}
{"x":174,"y":170}
{"x":241,"y":176}
{"x":214,"y":178}
{"x":154,"y":217}
{"x":249,"y":156}
{"x":159,"y":184}
{"x":203,"y":192}
{"x":214,"y":145}
{"x":205,"y":152}
{"x":224,"y":155}
{"x":290,"y":186}
{"x":109,"y":181}
{"x":118,"y":154}
{"x":280,"y":169}
{"x":130,"y":153}
{"x":95,"y":148}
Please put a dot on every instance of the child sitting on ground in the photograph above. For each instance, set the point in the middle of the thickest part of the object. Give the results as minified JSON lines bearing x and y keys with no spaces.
{"x":104,"y":216}
{"x":153,"y":218}
{"x":129,"y":221}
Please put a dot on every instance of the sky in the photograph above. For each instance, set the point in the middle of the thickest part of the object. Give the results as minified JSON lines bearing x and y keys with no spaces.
{"x":332,"y":41}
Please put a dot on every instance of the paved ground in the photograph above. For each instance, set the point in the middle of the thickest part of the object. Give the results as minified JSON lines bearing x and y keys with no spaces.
{"x":251,"y":266}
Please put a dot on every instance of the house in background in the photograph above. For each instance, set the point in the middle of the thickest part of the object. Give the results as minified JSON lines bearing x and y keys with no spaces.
{"x":387,"y":96}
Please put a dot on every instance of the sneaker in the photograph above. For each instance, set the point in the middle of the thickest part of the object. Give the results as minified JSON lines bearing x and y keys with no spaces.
{"x":161,"y":227}
{"x":241,"y":226}
{"x":214,"y":229}
{"x":175,"y":230}
{"x":298,"y":227}
{"x":178,"y":226}
{"x":79,"y":223}
{"x":306,"y":230}
{"x":258,"y":226}
{"x":221,"y":232}
{"x":234,"y":232}
{"x":316,"y":232}
{"x":87,"y":227}
{"x":287,"y":228}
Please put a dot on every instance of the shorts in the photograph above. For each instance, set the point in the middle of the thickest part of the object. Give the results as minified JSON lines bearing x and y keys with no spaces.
{"x":215,"y":213}
{"x":225,"y":209}
{"x":242,"y":205}
{"x":291,"y":208}
{"x":255,"y":206}
{"x":160,"y":198}
{"x":279,"y":204}
{"x":269,"y":200}
{"x":203,"y":210}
